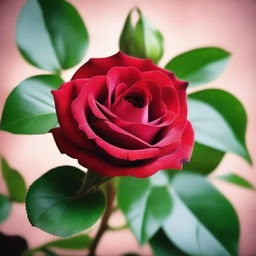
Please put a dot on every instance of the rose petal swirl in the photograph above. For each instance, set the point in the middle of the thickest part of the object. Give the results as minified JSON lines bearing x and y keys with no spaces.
{"x":122,"y":115}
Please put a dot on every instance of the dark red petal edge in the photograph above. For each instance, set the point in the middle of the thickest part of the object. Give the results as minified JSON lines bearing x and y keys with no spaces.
{"x":93,"y":162}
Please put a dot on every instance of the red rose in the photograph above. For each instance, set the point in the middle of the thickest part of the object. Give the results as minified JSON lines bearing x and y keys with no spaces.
{"x":124,"y":116}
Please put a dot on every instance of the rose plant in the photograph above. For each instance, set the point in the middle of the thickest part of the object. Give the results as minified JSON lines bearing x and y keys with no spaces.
{"x":128,"y":122}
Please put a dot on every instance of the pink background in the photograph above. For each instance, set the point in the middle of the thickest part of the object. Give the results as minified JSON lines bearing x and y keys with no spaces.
{"x":185,"y":24}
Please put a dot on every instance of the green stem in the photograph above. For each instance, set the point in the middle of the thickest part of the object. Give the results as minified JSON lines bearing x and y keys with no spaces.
{"x":81,"y":189}
{"x":58,"y":73}
{"x":110,"y":196}
{"x":91,"y":181}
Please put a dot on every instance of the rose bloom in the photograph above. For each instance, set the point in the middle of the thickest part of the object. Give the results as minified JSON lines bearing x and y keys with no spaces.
{"x":122,"y":115}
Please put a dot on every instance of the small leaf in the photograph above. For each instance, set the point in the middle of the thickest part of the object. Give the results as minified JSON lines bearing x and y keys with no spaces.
{"x":219,"y":121}
{"x":142,"y":40}
{"x":15,"y":183}
{"x":78,"y":242}
{"x":162,"y":246}
{"x":235,"y":179}
{"x":202,"y":219}
{"x":144,"y":205}
{"x":204,"y":159}
{"x":30,"y":109}
{"x":51,"y":34}
{"x":199,"y":66}
{"x":5,"y":208}
{"x":54,"y":205}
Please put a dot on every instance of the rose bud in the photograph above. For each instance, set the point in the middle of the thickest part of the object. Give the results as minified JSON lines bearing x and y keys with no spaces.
{"x":142,"y":40}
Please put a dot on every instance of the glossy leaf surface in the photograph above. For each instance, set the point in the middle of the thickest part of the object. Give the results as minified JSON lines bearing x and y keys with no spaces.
{"x":202,"y":221}
{"x":144,"y":205}
{"x":219,"y":121}
{"x":199,"y":66}
{"x":30,"y":109}
{"x":55,"y":205}
{"x":204,"y":159}
{"x":15,"y":183}
{"x":51,"y":34}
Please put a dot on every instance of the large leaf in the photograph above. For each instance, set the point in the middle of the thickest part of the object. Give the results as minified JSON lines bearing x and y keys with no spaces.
{"x":15,"y":183}
{"x":5,"y":208}
{"x":141,"y":40}
{"x":51,"y":35}
{"x":235,"y":179}
{"x":204,"y":159}
{"x":55,"y":205}
{"x":144,"y":205}
{"x":199,"y":66}
{"x":202,"y":221}
{"x":162,"y":246}
{"x":29,"y":109}
{"x":219,"y":121}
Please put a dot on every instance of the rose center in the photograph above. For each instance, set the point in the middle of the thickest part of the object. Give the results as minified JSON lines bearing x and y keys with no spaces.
{"x":135,"y":100}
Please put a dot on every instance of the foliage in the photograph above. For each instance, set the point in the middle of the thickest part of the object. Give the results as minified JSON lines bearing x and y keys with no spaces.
{"x":178,"y":213}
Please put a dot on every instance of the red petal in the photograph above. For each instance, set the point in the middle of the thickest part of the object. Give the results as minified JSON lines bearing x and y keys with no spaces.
{"x":117,"y":142}
{"x":133,"y":104}
{"x":146,"y":132}
{"x":159,"y":78}
{"x":127,"y":75}
{"x":105,"y":168}
{"x":80,"y":108}
{"x":100,"y":66}
{"x":63,"y":98}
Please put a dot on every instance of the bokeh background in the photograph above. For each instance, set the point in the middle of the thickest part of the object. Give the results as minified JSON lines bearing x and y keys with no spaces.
{"x":185,"y":24}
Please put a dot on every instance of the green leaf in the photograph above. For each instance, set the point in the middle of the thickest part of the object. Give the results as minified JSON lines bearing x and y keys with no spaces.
{"x":54,"y":202}
{"x":142,"y":40}
{"x":199,"y":66}
{"x":204,"y":159}
{"x":51,"y":35}
{"x":30,"y":109}
{"x":144,"y":205}
{"x":49,"y":253}
{"x":5,"y":208}
{"x":219,"y":121}
{"x":78,"y":242}
{"x":15,"y":183}
{"x":235,"y":179}
{"x":162,"y":246}
{"x":202,"y":221}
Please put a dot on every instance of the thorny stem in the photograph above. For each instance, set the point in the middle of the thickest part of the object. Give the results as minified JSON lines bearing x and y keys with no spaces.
{"x":110,"y":197}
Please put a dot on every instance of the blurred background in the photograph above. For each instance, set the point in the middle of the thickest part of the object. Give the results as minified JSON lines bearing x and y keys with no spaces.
{"x":185,"y":24}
